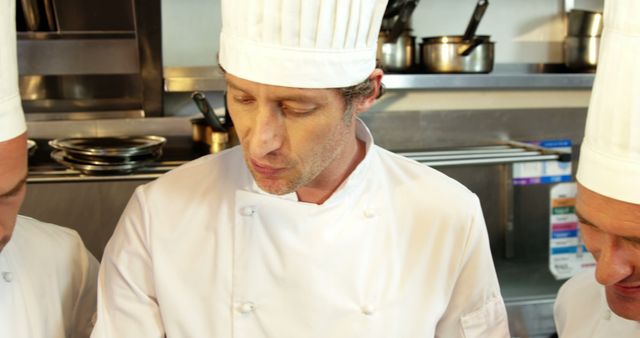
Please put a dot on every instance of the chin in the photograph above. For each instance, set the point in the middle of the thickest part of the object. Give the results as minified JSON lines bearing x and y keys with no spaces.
{"x":623,"y":306}
{"x":274,"y":187}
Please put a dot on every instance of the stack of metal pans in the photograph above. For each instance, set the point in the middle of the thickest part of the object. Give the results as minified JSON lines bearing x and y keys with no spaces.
{"x":107,"y":155}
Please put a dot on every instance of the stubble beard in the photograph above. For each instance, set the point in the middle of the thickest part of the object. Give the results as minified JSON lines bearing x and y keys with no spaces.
{"x":321,"y":159}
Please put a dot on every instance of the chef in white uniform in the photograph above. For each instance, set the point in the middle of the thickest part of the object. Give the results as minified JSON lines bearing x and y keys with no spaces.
{"x":47,"y":277}
{"x":606,"y":302}
{"x":308,"y":229}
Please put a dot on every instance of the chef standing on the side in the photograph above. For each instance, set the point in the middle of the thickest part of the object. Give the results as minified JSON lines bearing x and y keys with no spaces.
{"x":47,"y":276}
{"x":607,"y":303}
{"x":308,"y":229}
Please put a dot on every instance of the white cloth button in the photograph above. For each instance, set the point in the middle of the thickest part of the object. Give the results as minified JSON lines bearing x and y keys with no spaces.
{"x":7,"y":276}
{"x":246,"y":307}
{"x":368,"y":310}
{"x":369,"y":213}
{"x":247,"y":211}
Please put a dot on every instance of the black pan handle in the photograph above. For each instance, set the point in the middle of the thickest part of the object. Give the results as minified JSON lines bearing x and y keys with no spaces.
{"x":481,"y":7}
{"x":205,"y":108}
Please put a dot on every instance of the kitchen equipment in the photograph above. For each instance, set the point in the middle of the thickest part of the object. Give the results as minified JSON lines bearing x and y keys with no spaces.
{"x":31,"y":147}
{"x":581,"y":52}
{"x":474,"y":22}
{"x":31,"y":14}
{"x":469,"y":53}
{"x":397,"y":17}
{"x":470,"y":33}
{"x":582,"y":43}
{"x":49,"y":14}
{"x":208,"y":130}
{"x":396,"y":55}
{"x":107,"y":155}
{"x":205,"y":108}
{"x":98,"y":168}
{"x":109,"y":146}
{"x":202,"y":133}
{"x":443,"y":54}
{"x":584,"y":23}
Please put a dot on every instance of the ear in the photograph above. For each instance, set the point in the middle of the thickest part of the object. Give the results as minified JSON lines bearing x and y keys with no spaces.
{"x":366,"y":102}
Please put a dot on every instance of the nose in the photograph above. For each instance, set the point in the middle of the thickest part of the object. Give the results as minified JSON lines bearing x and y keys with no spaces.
{"x":268,"y":131}
{"x":612,"y":264}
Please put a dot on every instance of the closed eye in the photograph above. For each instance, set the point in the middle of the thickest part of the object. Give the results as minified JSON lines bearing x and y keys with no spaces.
{"x":243,"y":100}
{"x":15,"y":190}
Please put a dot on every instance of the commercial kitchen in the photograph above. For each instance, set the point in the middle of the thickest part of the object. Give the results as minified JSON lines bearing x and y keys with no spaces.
{"x":505,"y":118}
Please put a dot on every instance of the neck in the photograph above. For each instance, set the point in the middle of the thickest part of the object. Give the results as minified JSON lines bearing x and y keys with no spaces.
{"x":320,"y":191}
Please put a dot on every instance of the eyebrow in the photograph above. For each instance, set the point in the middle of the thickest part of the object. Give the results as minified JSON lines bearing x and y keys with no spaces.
{"x":234,"y":86}
{"x":16,"y":188}
{"x":586,"y":222}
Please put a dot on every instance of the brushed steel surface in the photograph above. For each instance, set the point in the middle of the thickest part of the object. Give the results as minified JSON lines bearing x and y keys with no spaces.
{"x":584,"y":23}
{"x":94,"y":15}
{"x":581,"y":53}
{"x":76,"y":56}
{"x":148,"y":23}
{"x":397,"y":55}
{"x":120,"y":39}
{"x":503,"y":76}
{"x":91,"y":208}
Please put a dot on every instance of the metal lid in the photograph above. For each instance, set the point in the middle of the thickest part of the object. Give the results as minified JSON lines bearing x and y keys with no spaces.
{"x":99,"y":169}
{"x":109,"y":146}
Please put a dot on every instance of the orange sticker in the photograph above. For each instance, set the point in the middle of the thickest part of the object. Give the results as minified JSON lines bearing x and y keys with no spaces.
{"x":563,"y":202}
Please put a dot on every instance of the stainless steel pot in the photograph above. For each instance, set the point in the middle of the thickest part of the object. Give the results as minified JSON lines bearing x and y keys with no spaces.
{"x":446,"y":54}
{"x":396,"y":55}
{"x":581,"y":52}
{"x":584,"y":23}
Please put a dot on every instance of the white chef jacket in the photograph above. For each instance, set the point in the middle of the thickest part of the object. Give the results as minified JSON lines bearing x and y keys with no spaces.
{"x":399,"y":250}
{"x":581,"y":311}
{"x":47,"y":283}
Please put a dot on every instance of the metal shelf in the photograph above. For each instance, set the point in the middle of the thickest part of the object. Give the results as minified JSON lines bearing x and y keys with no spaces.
{"x":506,"y":152}
{"x":504,"y":76}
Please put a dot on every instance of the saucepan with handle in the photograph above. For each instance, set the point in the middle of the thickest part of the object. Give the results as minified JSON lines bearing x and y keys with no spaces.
{"x":468,"y":53}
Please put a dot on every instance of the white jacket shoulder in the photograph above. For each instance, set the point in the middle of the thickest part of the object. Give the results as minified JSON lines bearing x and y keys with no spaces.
{"x":426,"y":186}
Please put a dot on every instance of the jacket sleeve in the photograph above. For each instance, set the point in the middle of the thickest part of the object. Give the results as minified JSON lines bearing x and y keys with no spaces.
{"x":84,"y":308}
{"x":127,"y":303}
{"x":476,"y":308}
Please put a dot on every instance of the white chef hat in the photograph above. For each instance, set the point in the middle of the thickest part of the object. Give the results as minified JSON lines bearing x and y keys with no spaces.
{"x":11,"y":116}
{"x":610,"y":153}
{"x":300,"y":43}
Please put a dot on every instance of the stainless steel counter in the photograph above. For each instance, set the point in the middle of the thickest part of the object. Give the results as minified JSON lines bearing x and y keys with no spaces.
{"x":504,"y":76}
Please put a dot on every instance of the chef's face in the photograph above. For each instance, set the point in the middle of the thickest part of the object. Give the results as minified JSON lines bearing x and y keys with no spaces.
{"x":294,"y":138}
{"x":611,"y":231}
{"x":13,"y":172}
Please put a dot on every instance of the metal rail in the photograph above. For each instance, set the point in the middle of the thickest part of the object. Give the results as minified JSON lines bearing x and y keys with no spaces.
{"x":505,"y":153}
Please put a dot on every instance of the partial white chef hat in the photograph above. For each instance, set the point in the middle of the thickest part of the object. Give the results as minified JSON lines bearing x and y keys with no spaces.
{"x":12,"y":121}
{"x":610,"y":153}
{"x":300,"y":43}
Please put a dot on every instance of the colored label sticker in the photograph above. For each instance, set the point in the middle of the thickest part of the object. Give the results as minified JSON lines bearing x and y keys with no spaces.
{"x":544,"y":172}
{"x":567,"y":253}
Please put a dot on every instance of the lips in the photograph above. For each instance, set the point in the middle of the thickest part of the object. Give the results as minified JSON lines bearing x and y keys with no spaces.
{"x":264,"y":169}
{"x":627,"y":290}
